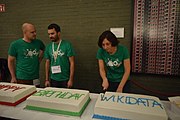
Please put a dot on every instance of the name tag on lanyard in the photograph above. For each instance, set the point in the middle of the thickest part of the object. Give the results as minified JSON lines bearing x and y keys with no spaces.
{"x":56,"y":69}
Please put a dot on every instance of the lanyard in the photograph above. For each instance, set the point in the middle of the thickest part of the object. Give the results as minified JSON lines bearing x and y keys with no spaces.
{"x":55,"y":53}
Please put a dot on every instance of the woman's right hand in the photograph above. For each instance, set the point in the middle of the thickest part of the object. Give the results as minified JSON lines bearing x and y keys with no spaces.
{"x":105,"y":84}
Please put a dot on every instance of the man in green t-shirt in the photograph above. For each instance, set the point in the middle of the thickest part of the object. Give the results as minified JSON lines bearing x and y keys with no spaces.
{"x":114,"y":63}
{"x":59,"y":56}
{"x":24,"y":57}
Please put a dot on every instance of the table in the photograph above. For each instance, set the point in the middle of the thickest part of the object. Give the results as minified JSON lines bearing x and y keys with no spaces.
{"x":18,"y":112}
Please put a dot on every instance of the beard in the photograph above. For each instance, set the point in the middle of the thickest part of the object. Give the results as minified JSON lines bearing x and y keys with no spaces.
{"x":54,"y":40}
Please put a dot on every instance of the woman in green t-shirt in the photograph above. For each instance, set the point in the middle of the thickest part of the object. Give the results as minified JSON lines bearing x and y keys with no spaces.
{"x":114,"y":63}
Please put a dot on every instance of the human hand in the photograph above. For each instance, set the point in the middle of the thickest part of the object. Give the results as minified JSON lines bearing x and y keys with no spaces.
{"x":105,"y":84}
{"x":47,"y":83}
{"x":69,"y":84}
{"x":120,"y":90}
{"x":13,"y":80}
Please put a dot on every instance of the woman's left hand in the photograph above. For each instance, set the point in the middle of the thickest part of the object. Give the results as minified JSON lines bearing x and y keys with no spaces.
{"x":119,"y":89}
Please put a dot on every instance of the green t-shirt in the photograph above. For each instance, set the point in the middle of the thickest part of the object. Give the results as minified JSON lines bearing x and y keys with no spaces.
{"x":65,"y":51}
{"x":27,"y":58}
{"x":114,"y":63}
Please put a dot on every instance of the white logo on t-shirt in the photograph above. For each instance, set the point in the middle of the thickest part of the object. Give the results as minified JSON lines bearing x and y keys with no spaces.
{"x":60,"y":53}
{"x":31,"y":53}
{"x":115,"y":63}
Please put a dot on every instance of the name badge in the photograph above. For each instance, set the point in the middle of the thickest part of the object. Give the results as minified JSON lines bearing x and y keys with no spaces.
{"x":56,"y":69}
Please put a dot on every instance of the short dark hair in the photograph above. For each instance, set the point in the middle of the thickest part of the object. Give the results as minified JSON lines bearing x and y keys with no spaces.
{"x":54,"y":26}
{"x":109,"y":36}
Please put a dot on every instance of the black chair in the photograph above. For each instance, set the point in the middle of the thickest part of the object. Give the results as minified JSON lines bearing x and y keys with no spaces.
{"x":4,"y":71}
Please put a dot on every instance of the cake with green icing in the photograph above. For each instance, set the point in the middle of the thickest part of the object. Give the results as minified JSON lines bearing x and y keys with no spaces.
{"x":59,"y":100}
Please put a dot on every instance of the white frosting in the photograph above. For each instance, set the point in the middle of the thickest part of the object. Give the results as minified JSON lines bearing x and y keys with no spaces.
{"x":130,"y":106}
{"x":59,"y":99}
{"x":10,"y":92}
